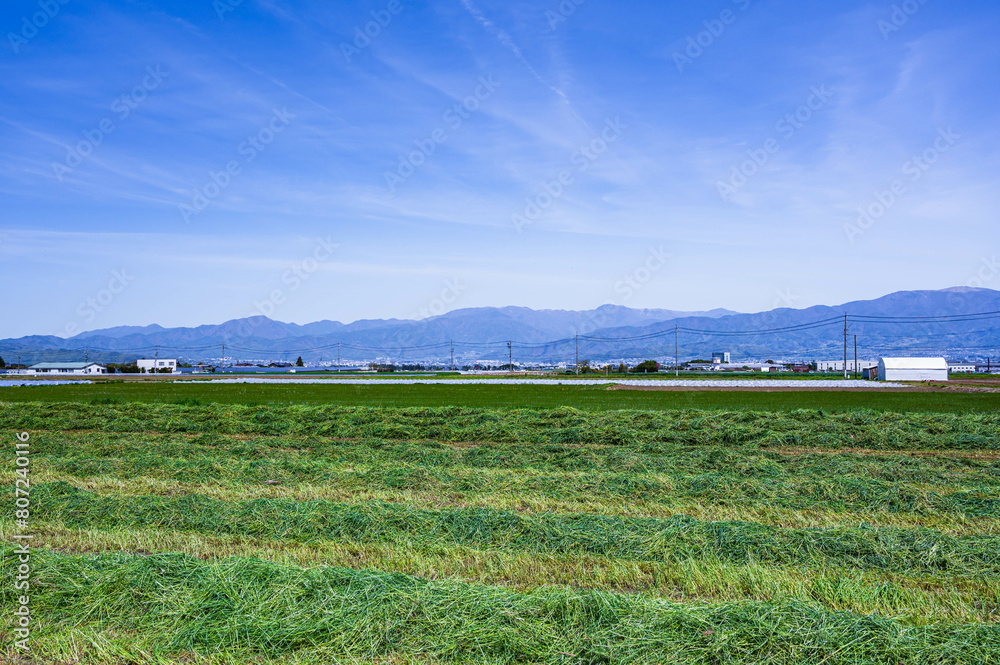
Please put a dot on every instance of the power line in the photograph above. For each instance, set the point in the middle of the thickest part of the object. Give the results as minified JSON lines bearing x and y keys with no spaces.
{"x":936,"y":317}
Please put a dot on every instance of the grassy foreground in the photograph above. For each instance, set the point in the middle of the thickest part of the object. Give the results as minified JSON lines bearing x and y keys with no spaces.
{"x":229,"y":533}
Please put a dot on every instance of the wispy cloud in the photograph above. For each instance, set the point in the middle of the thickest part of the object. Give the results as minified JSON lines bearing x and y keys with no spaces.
{"x":506,"y":40}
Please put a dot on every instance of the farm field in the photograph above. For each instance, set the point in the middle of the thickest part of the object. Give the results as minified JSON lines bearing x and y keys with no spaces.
{"x":590,"y":398}
{"x":308,"y":527}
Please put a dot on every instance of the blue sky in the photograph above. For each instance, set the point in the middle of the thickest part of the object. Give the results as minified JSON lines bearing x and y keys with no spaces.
{"x":192,"y":162}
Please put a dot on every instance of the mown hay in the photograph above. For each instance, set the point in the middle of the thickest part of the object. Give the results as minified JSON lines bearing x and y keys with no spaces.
{"x":675,"y":539}
{"x":246,"y":607}
{"x":889,"y":431}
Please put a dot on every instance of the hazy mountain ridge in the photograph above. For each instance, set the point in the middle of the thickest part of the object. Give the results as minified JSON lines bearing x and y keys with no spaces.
{"x":548,"y":334}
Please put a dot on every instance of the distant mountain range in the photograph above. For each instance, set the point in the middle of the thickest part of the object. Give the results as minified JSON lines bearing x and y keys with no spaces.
{"x":608,"y":332}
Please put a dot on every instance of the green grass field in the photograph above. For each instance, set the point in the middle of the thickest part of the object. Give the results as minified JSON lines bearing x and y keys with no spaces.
{"x":302,"y":526}
{"x":506,"y":396}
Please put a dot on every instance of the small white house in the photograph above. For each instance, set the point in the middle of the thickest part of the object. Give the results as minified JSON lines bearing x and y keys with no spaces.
{"x":961,"y":368}
{"x":47,"y":369}
{"x":150,"y":365}
{"x":912,"y":369}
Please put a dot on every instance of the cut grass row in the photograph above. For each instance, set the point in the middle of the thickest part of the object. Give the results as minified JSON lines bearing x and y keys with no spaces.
{"x":664,"y":475}
{"x":868,"y":429}
{"x":139,"y":451}
{"x":847,"y":494}
{"x":177,"y":605}
{"x":735,"y":511}
{"x":675,"y":539}
{"x":917,"y":599}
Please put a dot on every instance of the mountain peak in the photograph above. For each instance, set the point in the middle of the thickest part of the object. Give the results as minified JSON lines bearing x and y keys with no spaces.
{"x":966,"y":289}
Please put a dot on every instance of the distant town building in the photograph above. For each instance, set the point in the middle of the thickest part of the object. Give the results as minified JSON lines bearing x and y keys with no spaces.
{"x":912,"y":369}
{"x":722,"y":357}
{"x":838,"y":365}
{"x":67,"y":368}
{"x":735,"y":367}
{"x":150,"y":365}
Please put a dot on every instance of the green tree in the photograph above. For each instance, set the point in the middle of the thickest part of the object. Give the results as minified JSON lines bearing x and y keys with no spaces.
{"x":648,"y":366}
{"x":3,"y":365}
{"x":299,"y":363}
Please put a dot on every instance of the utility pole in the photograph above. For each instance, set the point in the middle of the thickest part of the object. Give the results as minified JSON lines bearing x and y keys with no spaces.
{"x":156,"y":353}
{"x":223,"y":357}
{"x":578,"y":353}
{"x":338,"y":357}
{"x":452,"y":355}
{"x":677,"y":354}
{"x":510,"y":357}
{"x":86,"y":355}
{"x":845,"y":345}
{"x":855,"y":357}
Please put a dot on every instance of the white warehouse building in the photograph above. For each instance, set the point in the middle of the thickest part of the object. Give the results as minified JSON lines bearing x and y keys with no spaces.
{"x":150,"y":365}
{"x":912,"y":369}
{"x":66,"y":368}
{"x":838,"y":365}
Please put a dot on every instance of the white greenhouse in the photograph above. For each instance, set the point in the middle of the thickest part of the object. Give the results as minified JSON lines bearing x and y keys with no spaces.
{"x":912,"y":369}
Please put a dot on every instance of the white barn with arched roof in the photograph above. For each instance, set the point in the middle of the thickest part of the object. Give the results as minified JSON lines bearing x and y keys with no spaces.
{"x":912,"y":369}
